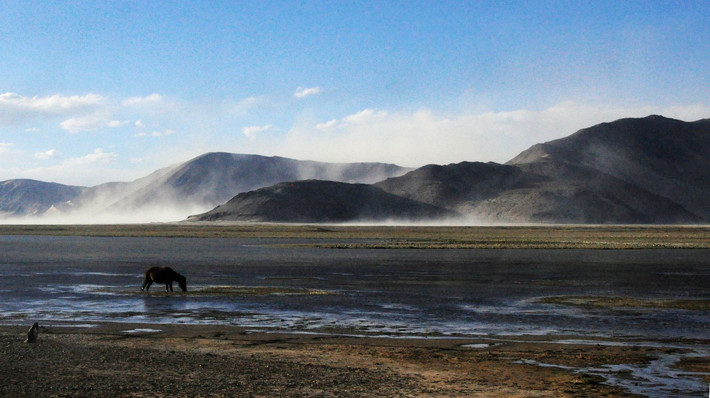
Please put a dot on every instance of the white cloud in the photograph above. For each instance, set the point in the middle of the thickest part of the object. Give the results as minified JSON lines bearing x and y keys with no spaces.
{"x":365,"y":116}
{"x":302,"y":92}
{"x":253,"y":131}
{"x":16,"y":108}
{"x":5,"y":147}
{"x":9,"y":155}
{"x":241,"y":108}
{"x":139,"y":124}
{"x":163,"y":133}
{"x":118,"y":123}
{"x":327,"y":126}
{"x":32,"y":130}
{"x":86,"y":123}
{"x":97,"y":157}
{"x":55,"y":104}
{"x":152,"y":98}
{"x":425,"y":136}
{"x":46,"y":155}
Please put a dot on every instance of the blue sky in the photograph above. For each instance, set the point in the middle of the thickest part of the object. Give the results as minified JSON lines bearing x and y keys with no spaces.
{"x":101,"y":91}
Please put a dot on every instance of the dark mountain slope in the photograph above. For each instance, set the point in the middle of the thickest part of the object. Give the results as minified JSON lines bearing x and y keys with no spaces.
{"x":457,"y":184}
{"x":666,"y":157}
{"x":320,"y":201}
{"x":22,"y":197}
{"x":578,"y":194}
{"x":541,"y":191}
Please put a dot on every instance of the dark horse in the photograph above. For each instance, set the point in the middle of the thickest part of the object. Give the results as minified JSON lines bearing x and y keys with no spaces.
{"x":164,"y":275}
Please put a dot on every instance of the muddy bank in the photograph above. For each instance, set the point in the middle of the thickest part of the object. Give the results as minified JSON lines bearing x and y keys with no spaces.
{"x":178,"y":360}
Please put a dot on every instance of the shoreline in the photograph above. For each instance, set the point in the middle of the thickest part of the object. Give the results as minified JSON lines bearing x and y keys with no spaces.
{"x":143,"y":359}
{"x":336,"y":236}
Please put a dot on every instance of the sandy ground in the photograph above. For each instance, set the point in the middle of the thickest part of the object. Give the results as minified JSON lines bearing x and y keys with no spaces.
{"x":219,"y":361}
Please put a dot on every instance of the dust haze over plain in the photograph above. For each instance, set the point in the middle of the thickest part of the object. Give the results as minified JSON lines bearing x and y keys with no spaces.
{"x":175,"y":192}
{"x":107,"y":92}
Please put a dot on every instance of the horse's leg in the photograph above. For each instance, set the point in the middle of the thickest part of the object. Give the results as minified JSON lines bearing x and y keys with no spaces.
{"x":146,"y":284}
{"x":171,"y":285}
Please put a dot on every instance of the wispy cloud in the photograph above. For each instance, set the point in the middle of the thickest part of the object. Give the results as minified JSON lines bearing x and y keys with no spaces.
{"x":149,"y":99}
{"x":303,"y":92}
{"x":252,"y":131}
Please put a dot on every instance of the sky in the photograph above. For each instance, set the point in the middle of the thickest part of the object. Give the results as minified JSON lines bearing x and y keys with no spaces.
{"x":99,"y":91}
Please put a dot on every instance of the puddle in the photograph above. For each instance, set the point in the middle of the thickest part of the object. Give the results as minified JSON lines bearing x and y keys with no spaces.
{"x":478,"y":346}
{"x":657,"y":379}
{"x":201,"y":291}
{"x":133,"y":331}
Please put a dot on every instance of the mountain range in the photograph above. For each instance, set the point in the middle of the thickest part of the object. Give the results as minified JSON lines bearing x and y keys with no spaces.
{"x":638,"y":171}
{"x":631,"y":171}
{"x":174,"y":192}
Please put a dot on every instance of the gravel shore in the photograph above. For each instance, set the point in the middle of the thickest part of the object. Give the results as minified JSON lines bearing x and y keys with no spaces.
{"x":214,"y":361}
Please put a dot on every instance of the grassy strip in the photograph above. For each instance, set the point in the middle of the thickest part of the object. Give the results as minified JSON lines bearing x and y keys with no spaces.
{"x":406,"y":237}
{"x":628,"y":302}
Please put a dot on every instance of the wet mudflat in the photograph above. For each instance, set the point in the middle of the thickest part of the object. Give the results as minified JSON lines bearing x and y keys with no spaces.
{"x":277,"y":285}
{"x":258,"y":283}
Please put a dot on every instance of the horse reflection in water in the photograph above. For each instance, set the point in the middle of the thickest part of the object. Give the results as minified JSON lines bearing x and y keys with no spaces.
{"x":164,"y":275}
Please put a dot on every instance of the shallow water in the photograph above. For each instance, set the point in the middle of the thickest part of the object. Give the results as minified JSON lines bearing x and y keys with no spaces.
{"x":248,"y":282}
{"x":449,"y":292}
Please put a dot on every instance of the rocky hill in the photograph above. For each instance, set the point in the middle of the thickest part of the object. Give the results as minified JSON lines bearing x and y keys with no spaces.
{"x":317,"y":201}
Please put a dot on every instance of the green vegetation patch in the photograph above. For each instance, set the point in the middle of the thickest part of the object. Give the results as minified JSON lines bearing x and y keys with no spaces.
{"x":251,"y":291}
{"x":629,"y":302}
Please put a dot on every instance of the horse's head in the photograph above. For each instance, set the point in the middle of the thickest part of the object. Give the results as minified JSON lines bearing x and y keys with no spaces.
{"x":182,"y":281}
